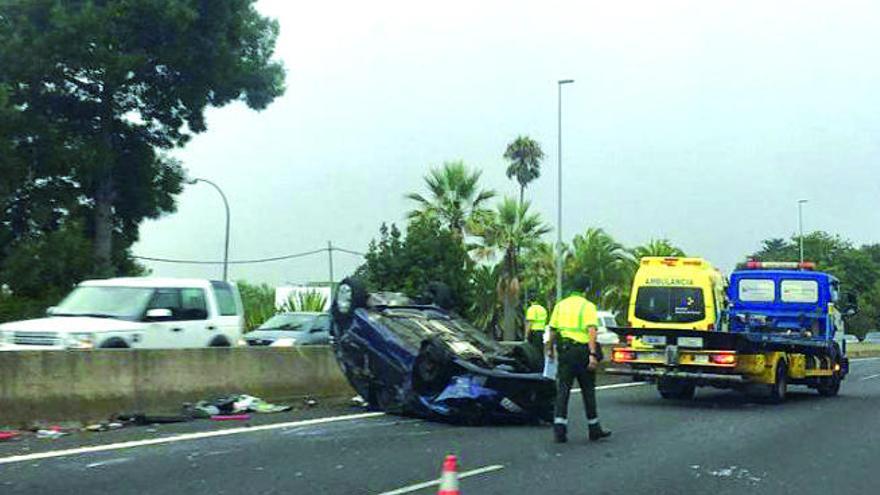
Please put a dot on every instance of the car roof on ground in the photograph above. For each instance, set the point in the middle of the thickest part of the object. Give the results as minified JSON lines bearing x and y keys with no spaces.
{"x":149,"y":282}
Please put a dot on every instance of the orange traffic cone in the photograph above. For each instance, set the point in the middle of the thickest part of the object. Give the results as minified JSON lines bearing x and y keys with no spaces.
{"x":449,"y":477}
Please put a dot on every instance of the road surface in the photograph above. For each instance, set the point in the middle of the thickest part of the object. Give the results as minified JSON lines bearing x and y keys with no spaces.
{"x":720,"y":443}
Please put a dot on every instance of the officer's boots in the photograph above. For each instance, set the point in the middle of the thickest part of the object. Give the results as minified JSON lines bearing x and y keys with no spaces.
{"x":559,"y":433}
{"x":597,"y":433}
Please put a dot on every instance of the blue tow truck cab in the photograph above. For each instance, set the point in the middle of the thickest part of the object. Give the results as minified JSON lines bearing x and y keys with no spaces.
{"x":784,"y":300}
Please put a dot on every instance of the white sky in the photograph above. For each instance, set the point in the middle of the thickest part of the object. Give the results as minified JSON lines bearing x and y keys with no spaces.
{"x":699,"y":121}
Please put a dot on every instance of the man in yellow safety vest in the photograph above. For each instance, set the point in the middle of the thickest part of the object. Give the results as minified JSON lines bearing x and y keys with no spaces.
{"x":536,"y":322}
{"x":573,"y":342}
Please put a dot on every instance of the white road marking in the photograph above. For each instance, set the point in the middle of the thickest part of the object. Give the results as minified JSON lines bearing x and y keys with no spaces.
{"x":183,"y":438}
{"x":855,"y":360}
{"x":613,"y":386}
{"x":871,"y":376}
{"x":428,"y":484}
{"x":221,"y":433}
{"x":111,"y":462}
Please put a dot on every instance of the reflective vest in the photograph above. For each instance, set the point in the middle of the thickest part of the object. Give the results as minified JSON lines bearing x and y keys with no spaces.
{"x":573,"y":317}
{"x":536,"y":315}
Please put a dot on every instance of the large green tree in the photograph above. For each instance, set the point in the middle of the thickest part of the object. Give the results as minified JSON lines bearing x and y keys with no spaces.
{"x":104,"y":88}
{"x":524,"y":157}
{"x":428,"y":252}
{"x":454,"y":196}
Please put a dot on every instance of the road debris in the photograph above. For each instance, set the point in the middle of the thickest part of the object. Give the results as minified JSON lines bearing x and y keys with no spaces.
{"x":6,"y":435}
{"x":232,"y":404}
{"x":733,"y":473}
{"x":52,"y":433}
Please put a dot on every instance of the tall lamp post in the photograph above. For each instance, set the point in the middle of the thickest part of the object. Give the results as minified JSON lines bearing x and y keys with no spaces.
{"x":801,"y":226}
{"x":559,"y":191}
{"x":226,"y":205}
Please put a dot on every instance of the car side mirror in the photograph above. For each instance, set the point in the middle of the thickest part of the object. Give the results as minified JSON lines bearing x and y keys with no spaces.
{"x":51,"y":310}
{"x":158,"y":314}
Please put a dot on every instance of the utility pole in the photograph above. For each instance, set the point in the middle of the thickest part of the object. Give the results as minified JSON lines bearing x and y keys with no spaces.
{"x":330,"y":259}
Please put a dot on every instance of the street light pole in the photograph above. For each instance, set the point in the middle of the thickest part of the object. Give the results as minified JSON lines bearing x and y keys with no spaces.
{"x":801,"y":226}
{"x":559,"y":191}
{"x":226,"y":246}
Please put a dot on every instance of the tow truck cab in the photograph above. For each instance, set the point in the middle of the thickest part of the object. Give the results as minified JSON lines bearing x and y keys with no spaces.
{"x":784,"y":297}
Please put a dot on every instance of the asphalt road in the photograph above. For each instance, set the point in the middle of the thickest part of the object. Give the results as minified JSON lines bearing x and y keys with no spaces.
{"x":719,"y":443}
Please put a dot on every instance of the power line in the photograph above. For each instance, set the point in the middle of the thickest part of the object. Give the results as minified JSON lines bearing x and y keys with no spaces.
{"x":247,"y":262}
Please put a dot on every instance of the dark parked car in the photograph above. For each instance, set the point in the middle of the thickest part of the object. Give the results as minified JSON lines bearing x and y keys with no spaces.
{"x":416,"y":358}
{"x":287,"y":329}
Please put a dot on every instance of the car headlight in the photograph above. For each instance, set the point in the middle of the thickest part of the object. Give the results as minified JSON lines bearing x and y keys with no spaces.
{"x":343,"y":298}
{"x":81,"y":341}
{"x":283,"y":342}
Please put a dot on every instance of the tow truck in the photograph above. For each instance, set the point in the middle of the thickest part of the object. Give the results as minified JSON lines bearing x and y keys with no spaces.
{"x":778,"y":329}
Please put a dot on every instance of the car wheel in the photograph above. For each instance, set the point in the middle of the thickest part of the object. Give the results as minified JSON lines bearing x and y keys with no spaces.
{"x":430,"y":370}
{"x":672,"y":389}
{"x":779,"y":387}
{"x":438,"y":294}
{"x":114,"y":343}
{"x":350,"y":295}
{"x":219,"y":342}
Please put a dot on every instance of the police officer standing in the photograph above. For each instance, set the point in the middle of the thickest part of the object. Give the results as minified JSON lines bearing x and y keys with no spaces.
{"x":573,"y":341}
{"x":536,"y":321}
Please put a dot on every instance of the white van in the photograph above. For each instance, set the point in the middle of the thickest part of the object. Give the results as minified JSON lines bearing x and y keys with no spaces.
{"x":145,"y":313}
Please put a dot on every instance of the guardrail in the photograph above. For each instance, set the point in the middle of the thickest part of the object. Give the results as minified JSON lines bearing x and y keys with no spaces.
{"x":91,"y":385}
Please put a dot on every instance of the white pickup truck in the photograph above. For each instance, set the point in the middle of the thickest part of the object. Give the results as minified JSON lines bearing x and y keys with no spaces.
{"x":145,"y":312}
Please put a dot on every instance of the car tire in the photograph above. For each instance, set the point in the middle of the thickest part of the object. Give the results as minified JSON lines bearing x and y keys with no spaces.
{"x":220,"y":342}
{"x":672,"y":389}
{"x":830,"y":387}
{"x":438,"y":294}
{"x":779,"y":387}
{"x":430,"y":369}
{"x":350,"y":295}
{"x":114,"y":343}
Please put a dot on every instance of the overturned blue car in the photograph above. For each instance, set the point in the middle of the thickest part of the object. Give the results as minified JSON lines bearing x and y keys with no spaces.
{"x":415,"y":358}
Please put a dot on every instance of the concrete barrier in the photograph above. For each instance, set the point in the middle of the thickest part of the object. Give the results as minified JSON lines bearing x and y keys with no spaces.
{"x":860,"y":350}
{"x":90,"y":385}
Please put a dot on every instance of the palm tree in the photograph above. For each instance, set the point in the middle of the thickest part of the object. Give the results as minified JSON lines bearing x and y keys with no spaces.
{"x":506,"y":230}
{"x":600,"y":266}
{"x":539,"y":272}
{"x":524,"y":155}
{"x":656,"y":247}
{"x":454,"y":196}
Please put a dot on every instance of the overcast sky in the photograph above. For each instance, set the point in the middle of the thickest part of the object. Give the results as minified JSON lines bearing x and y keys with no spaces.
{"x":703,"y":122}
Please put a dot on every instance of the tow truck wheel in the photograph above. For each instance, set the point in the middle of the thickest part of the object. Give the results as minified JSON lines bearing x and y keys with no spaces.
{"x":671,"y":389}
{"x":779,"y":387}
{"x":829,"y":387}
